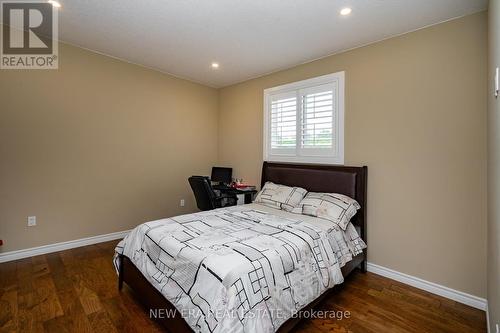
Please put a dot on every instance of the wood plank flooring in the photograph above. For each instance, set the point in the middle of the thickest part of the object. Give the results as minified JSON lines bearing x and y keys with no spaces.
{"x":76,"y":291}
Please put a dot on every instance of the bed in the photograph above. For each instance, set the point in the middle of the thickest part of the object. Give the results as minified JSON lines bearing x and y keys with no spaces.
{"x":253,"y":277}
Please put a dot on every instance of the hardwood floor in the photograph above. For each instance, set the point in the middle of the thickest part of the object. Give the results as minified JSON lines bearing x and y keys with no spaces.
{"x":76,"y":291}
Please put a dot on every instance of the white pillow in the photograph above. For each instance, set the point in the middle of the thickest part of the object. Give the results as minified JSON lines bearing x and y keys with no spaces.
{"x":280,"y":196}
{"x":334,"y":207}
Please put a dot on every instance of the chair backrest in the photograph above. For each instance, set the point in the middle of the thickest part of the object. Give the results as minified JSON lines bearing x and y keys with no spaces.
{"x":203,"y":192}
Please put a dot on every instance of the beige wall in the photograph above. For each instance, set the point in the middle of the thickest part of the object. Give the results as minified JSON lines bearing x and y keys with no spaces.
{"x":493,"y":169}
{"x":98,"y":146}
{"x":416,"y":116}
{"x":101,"y":145}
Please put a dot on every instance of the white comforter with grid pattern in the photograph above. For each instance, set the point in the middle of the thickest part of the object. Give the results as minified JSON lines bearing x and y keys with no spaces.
{"x":240,"y":269}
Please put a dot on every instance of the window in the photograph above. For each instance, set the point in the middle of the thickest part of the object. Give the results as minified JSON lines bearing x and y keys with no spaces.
{"x":304,"y":121}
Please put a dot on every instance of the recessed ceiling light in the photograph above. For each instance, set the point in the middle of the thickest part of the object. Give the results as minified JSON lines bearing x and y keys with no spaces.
{"x":54,"y":3}
{"x":345,"y":11}
{"x":215,"y":65}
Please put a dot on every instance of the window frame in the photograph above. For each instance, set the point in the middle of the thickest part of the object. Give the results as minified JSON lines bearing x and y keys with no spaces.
{"x":335,"y":154}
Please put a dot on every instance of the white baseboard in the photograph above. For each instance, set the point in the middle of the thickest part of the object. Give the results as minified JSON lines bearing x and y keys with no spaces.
{"x":35,"y":251}
{"x":458,"y":296}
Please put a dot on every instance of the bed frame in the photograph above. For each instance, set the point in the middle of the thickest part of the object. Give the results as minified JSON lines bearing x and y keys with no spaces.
{"x":347,"y":180}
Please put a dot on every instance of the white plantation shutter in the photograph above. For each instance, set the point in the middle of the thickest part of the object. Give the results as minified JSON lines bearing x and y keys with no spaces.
{"x":304,"y":121}
{"x":284,"y":123}
{"x":318,"y":119}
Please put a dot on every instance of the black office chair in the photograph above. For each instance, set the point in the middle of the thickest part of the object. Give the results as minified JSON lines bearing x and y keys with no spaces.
{"x":206,"y":198}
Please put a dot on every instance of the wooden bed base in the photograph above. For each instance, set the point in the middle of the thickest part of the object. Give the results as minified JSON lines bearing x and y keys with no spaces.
{"x":350,"y":181}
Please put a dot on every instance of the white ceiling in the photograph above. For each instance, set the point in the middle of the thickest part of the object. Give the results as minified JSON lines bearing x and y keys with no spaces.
{"x":248,"y":38}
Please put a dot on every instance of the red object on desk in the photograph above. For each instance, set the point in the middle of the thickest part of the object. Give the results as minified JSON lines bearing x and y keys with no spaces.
{"x":242,"y":185}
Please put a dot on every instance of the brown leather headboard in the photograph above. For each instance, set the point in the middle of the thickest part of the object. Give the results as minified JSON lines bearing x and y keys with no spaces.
{"x":347,"y":180}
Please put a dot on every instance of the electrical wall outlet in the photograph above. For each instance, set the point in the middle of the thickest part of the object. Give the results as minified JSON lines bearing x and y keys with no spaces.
{"x":31,"y":221}
{"x":182,"y":203}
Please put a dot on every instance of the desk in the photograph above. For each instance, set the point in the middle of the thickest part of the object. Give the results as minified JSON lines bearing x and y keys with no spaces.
{"x":230,"y":190}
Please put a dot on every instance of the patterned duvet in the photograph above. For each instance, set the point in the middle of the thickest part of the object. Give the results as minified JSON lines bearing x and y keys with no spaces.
{"x":240,"y":269}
